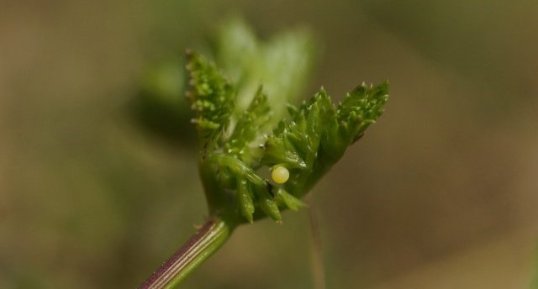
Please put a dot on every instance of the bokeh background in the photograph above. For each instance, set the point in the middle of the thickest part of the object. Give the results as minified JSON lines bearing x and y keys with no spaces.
{"x":441,"y":193}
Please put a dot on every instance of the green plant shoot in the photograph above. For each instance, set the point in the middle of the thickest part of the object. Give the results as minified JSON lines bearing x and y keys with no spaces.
{"x":259,"y":152}
{"x":237,"y":144}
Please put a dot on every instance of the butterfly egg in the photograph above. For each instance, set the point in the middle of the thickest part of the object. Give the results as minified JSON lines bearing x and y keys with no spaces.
{"x":280,"y":174}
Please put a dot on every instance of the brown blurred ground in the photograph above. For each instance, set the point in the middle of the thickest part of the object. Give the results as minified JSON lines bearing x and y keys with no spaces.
{"x":441,"y":193}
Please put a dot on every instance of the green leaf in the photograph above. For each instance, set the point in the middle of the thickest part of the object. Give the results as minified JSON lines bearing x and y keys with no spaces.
{"x":269,"y":206}
{"x":361,"y":108}
{"x":282,"y":64}
{"x":318,"y":133}
{"x":290,"y":201}
{"x":211,"y":96}
{"x":248,"y":133}
{"x":246,"y":205}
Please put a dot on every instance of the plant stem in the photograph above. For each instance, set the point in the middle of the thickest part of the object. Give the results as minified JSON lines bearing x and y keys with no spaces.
{"x":209,"y":238}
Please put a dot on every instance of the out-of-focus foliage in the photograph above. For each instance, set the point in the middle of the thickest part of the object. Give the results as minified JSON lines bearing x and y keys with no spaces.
{"x":160,"y":105}
{"x":281,"y":65}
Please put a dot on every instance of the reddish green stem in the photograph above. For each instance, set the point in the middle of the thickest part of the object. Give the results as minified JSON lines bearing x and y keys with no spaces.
{"x":197,"y":249}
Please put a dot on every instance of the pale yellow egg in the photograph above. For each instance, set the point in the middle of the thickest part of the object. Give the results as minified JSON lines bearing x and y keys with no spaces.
{"x":280,"y":174}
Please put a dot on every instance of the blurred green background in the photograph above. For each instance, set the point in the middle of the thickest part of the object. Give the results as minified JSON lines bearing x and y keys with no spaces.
{"x":441,"y":193}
